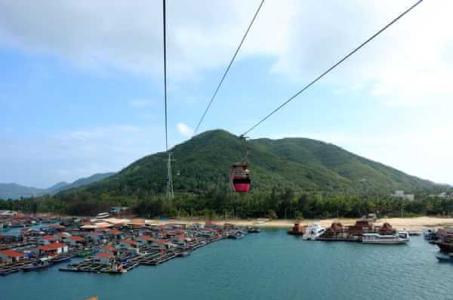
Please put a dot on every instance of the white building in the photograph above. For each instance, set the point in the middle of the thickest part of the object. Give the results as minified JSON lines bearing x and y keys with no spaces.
{"x":400,"y":194}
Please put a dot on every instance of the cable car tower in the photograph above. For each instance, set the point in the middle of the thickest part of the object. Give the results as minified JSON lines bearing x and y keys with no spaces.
{"x":170,"y":193}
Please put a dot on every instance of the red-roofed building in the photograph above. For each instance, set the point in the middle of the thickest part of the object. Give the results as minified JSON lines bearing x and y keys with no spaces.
{"x":53,"y":249}
{"x":105,"y":258}
{"x":10,"y":256}
{"x":74,"y":240}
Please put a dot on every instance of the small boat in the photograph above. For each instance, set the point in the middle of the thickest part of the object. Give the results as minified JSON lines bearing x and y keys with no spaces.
{"x":8,"y":271}
{"x":102,"y":215}
{"x":36,"y":266}
{"x":401,"y":237}
{"x":236,"y":235}
{"x":252,"y":229}
{"x":313,"y":232}
{"x":442,"y":257}
{"x":430,"y":234}
{"x":183,"y":254}
{"x":60,"y":259}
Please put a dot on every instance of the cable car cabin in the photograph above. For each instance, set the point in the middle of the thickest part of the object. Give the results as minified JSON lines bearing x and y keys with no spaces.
{"x":240,"y":178}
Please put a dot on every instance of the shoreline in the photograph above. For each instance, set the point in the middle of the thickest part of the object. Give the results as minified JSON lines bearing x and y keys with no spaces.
{"x":415,"y":223}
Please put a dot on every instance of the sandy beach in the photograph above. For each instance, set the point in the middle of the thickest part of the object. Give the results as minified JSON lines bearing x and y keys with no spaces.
{"x":417,"y":223}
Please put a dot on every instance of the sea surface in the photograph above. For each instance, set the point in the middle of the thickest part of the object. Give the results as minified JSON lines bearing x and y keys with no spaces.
{"x":268,"y":265}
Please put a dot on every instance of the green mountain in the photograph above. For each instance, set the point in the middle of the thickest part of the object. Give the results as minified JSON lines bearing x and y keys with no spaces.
{"x":63,"y":186}
{"x":16,"y":191}
{"x":203,"y":163}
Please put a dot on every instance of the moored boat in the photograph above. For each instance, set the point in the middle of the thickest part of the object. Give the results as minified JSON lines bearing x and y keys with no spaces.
{"x":36,"y":266}
{"x":252,"y":229}
{"x":445,"y":240}
{"x":429,"y":234}
{"x":297,"y":229}
{"x":236,"y":235}
{"x":313,"y":232}
{"x":183,"y":254}
{"x":57,"y":260}
{"x":401,"y":237}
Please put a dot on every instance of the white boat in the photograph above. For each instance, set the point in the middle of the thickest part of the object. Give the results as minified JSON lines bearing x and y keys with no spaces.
{"x":313,"y":232}
{"x":401,"y":237}
{"x":102,"y":215}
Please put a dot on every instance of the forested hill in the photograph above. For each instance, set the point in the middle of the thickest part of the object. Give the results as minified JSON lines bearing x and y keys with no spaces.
{"x":203,"y":162}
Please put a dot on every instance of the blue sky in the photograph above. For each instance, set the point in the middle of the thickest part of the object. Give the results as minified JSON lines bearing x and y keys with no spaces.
{"x":81,"y":81}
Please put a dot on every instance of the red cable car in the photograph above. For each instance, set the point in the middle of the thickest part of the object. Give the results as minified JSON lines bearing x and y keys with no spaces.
{"x":240,"y":177}
{"x":240,"y":173}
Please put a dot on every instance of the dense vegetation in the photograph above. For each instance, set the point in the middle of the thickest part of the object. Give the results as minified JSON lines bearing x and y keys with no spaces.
{"x":214,"y":204}
{"x":292,"y":177}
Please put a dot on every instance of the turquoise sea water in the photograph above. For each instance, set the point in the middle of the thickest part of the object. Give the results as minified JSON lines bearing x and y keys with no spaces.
{"x":269,"y":265}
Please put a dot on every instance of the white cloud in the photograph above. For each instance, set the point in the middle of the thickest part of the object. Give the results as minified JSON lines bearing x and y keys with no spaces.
{"x":126,"y":35}
{"x":69,"y":155}
{"x":405,"y":66}
{"x":184,"y":129}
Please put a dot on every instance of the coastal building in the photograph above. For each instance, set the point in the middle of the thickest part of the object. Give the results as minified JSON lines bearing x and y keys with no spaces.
{"x":49,"y":239}
{"x":53,"y":249}
{"x":10,"y":256}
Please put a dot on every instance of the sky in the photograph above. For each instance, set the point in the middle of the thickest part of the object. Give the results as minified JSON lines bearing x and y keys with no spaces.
{"x":81,"y":87}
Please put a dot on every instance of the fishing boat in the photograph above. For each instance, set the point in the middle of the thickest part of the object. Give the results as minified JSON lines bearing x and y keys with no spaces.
{"x":401,"y":237}
{"x":444,"y":240}
{"x":313,"y":232}
{"x":297,"y":229}
{"x":36,"y":266}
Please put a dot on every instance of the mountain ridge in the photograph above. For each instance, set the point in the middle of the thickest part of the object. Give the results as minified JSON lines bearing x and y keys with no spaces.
{"x":202,"y":163}
{"x":16,"y":191}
